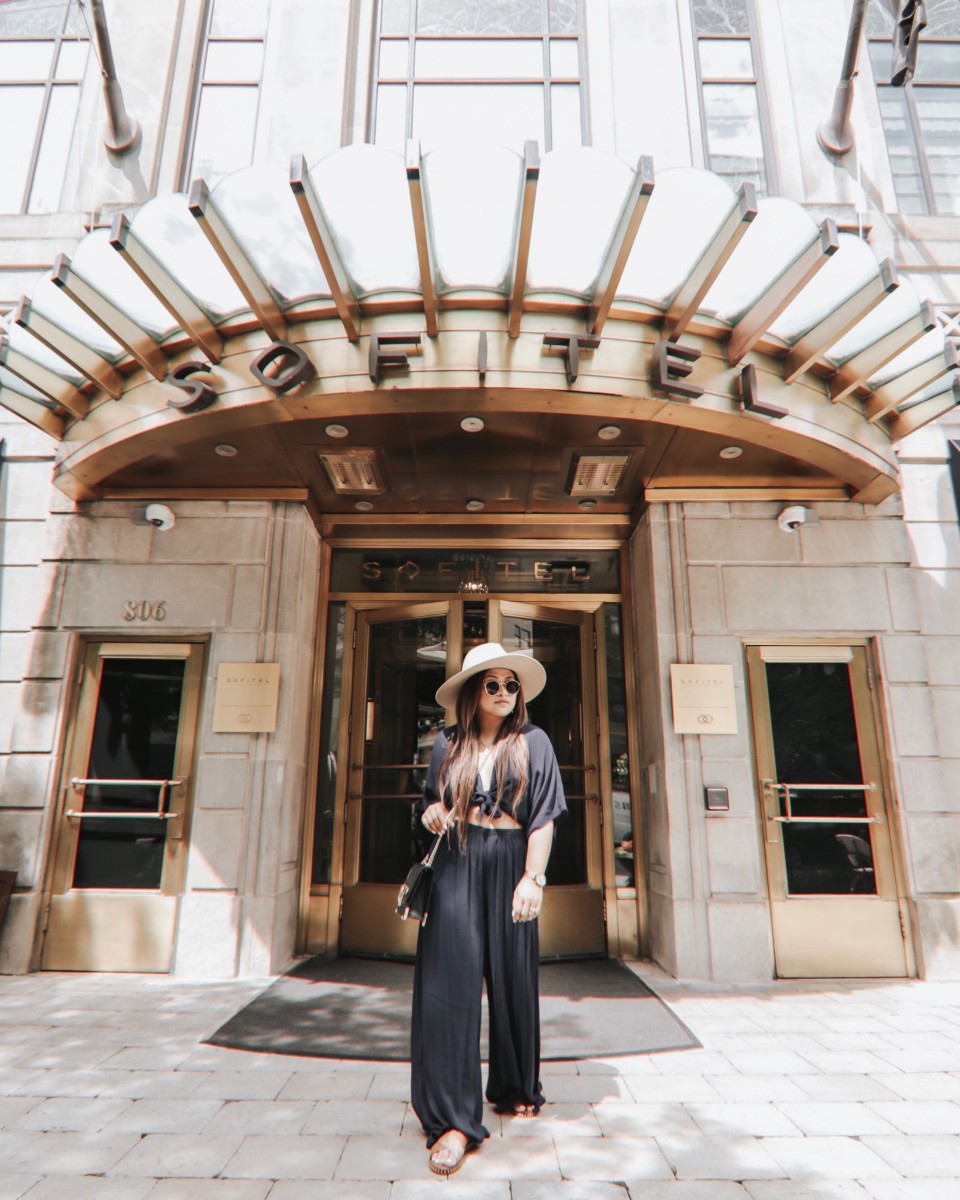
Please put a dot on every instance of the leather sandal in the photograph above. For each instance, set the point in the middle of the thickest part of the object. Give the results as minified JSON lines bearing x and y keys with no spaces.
{"x":454,"y":1148}
{"x":524,"y":1110}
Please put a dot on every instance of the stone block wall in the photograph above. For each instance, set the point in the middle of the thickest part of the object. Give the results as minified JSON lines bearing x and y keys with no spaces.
{"x":923,"y":682}
{"x":720,"y":573}
{"x":243,"y":575}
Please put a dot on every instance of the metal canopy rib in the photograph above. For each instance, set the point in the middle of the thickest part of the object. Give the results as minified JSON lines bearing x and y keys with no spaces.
{"x":38,"y":415}
{"x":255,"y":289}
{"x":858,"y":370}
{"x":918,"y":415}
{"x":422,"y":234}
{"x":71,"y":349}
{"x":325,"y":247}
{"x":531,"y":175}
{"x":836,"y":324}
{"x":711,"y":262}
{"x":885,"y":399}
{"x":48,"y":383}
{"x":615,"y":261}
{"x":174,"y":298}
{"x":783,"y":291}
{"x":135,"y":340}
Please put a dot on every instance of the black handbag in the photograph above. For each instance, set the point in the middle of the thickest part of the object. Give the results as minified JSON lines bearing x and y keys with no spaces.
{"x":413,"y":899}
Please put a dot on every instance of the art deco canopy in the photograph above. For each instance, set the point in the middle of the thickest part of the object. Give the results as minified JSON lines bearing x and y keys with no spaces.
{"x":477,"y":281}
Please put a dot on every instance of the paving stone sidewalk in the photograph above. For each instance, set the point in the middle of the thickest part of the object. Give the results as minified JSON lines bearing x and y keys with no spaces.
{"x":825,"y":1090}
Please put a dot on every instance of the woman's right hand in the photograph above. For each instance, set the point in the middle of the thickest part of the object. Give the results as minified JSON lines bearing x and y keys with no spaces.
{"x":436,"y":817}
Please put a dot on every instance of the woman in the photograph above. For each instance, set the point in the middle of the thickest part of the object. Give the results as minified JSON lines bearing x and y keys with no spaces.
{"x":494,"y":785}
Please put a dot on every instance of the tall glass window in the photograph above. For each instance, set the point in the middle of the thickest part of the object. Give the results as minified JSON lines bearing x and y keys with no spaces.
{"x":505,"y":71}
{"x":227,"y":97}
{"x":731,"y":93}
{"x":921,"y":121}
{"x":43,"y":57}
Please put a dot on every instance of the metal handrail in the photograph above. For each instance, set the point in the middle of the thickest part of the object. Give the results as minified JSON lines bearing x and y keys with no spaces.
{"x":785,"y":790}
{"x":418,"y":796}
{"x":92,"y":815}
{"x":822,"y":787}
{"x":792,"y":820}
{"x":422,"y":766}
{"x":118,"y":782}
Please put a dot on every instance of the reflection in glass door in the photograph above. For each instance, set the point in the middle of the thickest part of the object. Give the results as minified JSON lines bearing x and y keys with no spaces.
{"x":403,"y":654}
{"x":119,"y":851}
{"x":401,"y":661}
{"x":573,"y":917}
{"x":830,"y":866}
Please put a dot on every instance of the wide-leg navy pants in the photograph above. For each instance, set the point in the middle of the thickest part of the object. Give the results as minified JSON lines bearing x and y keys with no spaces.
{"x":470,"y":938}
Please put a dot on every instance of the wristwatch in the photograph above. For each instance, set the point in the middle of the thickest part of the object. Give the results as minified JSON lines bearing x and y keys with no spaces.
{"x":538,"y":878}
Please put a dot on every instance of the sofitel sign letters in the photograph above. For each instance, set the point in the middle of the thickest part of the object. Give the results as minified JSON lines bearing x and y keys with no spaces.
{"x":283,"y":366}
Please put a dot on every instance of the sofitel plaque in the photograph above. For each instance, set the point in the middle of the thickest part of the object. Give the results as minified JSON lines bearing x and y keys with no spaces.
{"x":246,"y":698}
{"x":703,"y":698}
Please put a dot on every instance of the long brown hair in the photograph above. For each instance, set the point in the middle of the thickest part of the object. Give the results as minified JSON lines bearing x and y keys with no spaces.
{"x":458,"y":771}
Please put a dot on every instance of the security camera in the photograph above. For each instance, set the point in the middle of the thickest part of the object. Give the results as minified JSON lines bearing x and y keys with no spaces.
{"x":159,"y":516}
{"x":791,"y":518}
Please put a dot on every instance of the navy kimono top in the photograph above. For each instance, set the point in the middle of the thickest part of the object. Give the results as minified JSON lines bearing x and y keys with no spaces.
{"x":542,"y":801}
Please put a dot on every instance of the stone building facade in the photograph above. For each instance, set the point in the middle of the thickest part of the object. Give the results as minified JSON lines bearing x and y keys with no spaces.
{"x":364,"y":587}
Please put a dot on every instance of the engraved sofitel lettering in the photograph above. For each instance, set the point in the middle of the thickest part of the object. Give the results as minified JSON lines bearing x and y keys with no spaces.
{"x":371,"y":570}
{"x":672,"y":364}
{"x":197,"y":394}
{"x":282,"y":366}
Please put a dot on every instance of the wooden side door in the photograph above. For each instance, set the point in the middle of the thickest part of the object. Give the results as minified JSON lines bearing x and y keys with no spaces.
{"x":123,"y":809}
{"x":834,"y":897}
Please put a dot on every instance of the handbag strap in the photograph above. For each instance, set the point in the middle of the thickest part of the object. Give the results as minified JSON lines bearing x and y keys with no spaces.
{"x":432,"y":852}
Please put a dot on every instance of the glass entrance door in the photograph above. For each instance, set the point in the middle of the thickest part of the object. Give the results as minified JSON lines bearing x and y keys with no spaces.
{"x":401,"y":660}
{"x":572,"y":920}
{"x":402,"y":656}
{"x":118,"y":863}
{"x":830,"y":866}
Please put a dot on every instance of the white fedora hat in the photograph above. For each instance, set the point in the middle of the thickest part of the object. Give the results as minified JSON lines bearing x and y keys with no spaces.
{"x":490,"y":655}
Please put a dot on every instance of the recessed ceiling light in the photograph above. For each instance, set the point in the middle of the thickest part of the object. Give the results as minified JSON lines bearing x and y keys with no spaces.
{"x":363,"y":506}
{"x":609,"y":432}
{"x":471,"y":424}
{"x":337,"y":431}
{"x":587,"y":505}
{"x":474,"y":505}
{"x":731,"y":452}
{"x":225,"y":450}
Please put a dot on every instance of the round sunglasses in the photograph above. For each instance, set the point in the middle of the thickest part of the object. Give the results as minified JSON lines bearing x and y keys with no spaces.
{"x":492,"y":686}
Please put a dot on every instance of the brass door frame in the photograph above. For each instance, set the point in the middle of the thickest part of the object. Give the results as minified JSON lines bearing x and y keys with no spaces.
{"x":367,"y":900}
{"x":99,"y":908}
{"x":627,"y":913}
{"x":797,"y":921}
{"x":564,"y":909}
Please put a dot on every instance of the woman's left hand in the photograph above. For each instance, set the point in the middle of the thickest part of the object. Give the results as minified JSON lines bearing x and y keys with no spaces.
{"x":527,"y":899}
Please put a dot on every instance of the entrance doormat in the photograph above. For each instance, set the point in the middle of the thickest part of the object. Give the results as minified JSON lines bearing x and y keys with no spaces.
{"x":360,"y":1008}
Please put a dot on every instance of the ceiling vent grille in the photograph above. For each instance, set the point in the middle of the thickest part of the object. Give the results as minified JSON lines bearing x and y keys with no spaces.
{"x":353,"y":472}
{"x":597,"y":474}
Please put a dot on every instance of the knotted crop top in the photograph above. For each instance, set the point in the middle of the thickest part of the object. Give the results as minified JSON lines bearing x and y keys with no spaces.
{"x":542,"y":800}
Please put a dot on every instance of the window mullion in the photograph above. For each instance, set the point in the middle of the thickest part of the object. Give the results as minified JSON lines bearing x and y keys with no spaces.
{"x":547,"y":77}
{"x":41,"y":126}
{"x":917,"y":130}
{"x":411,"y":70}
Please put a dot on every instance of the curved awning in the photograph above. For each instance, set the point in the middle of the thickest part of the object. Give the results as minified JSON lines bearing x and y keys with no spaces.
{"x":574,"y":290}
